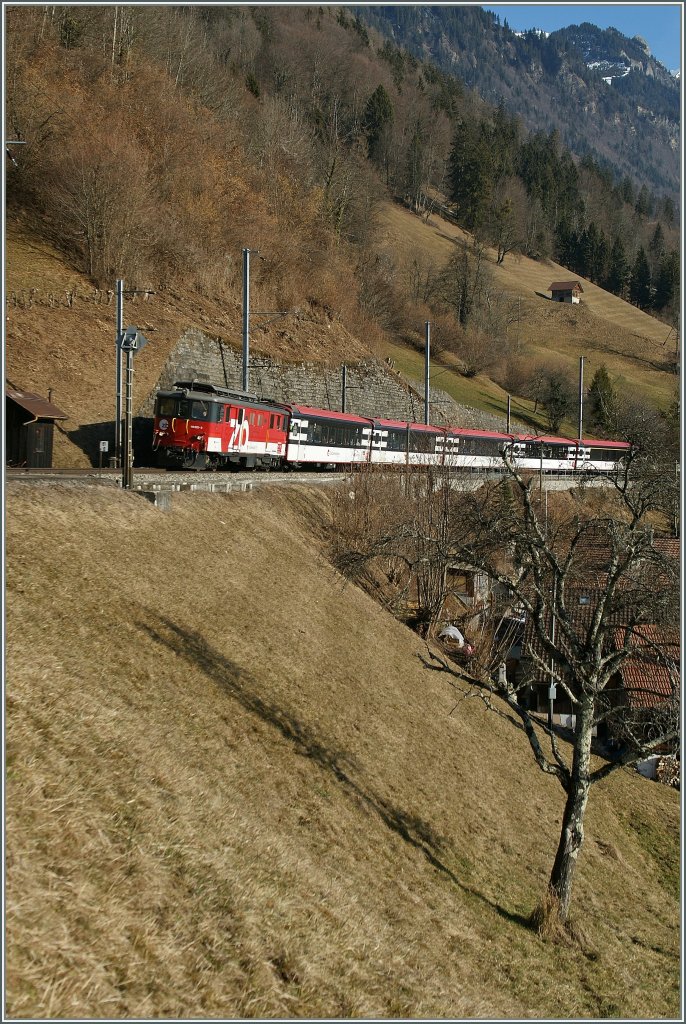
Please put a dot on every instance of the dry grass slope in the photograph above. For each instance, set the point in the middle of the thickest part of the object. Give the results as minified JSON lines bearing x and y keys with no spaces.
{"x":234,"y":791}
{"x":634,"y":346}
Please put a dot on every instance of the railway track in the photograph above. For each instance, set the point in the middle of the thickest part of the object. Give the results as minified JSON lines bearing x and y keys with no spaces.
{"x":152,"y":481}
{"x":159,"y":484}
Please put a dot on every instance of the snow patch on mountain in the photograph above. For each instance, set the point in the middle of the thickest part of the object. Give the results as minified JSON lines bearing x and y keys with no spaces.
{"x":536,"y":31}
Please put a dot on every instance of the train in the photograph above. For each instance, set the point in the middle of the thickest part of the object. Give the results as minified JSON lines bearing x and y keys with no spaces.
{"x":202,"y":426}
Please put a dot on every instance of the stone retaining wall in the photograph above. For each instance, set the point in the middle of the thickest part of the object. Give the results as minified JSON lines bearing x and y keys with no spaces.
{"x":372,"y":388}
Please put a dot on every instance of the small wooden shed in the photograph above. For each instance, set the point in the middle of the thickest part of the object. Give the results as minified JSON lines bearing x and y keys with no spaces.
{"x":29,"y":427}
{"x":566,"y":291}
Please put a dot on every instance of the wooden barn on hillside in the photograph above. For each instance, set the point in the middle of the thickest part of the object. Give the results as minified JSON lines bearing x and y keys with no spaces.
{"x":29,"y":427}
{"x":566,"y":291}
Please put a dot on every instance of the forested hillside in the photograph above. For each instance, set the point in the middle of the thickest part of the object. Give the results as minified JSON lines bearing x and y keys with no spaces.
{"x":160,"y":141}
{"x":604,"y":93}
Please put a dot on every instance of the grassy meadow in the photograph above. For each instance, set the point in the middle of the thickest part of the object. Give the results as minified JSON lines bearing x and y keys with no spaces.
{"x":233,"y":790}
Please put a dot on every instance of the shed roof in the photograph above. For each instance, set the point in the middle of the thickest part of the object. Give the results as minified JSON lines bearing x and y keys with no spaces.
{"x":39,"y":407}
{"x":565,"y":286}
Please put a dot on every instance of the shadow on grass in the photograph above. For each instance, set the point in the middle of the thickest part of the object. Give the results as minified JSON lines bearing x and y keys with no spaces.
{"x":232,"y":680}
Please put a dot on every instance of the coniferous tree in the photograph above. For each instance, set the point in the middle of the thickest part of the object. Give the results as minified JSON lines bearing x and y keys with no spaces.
{"x":567,"y":246}
{"x":627,"y":191}
{"x":667,"y":282}
{"x":378,"y":115}
{"x":469,"y":169}
{"x":668,"y":211}
{"x":644,"y":203}
{"x":593,"y":253}
{"x":640,"y":290}
{"x":618,"y":269}
{"x":415,"y":164}
{"x":602,"y":399}
{"x":657,"y":246}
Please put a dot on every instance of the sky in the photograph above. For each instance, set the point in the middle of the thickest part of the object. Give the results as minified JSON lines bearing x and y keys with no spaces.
{"x":658,"y":23}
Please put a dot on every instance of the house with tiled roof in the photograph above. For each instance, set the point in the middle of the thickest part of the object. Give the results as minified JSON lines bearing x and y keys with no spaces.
{"x":670,"y":547}
{"x":648,"y":678}
{"x":566,"y":291}
{"x":649,"y":675}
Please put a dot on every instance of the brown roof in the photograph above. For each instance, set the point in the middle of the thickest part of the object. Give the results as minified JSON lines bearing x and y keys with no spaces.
{"x":565,"y":286}
{"x":581,"y":601}
{"x":39,"y":407}
{"x":646,"y":676}
{"x":670,"y":547}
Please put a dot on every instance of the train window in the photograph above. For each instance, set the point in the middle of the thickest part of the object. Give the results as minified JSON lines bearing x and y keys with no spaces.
{"x":200,"y":410}
{"x":485,"y":446}
{"x":227,"y":415}
{"x":336,"y":435}
{"x":272,"y":421}
{"x":251,"y":419}
{"x":397,"y":440}
{"x":421,"y":442}
{"x":166,"y":407}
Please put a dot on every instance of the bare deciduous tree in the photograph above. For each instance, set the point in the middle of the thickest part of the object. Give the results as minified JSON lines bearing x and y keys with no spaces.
{"x":598,"y":541}
{"x":99,"y":190}
{"x":636,"y":586}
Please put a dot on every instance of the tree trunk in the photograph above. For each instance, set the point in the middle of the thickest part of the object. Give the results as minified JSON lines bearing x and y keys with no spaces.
{"x":572,"y":832}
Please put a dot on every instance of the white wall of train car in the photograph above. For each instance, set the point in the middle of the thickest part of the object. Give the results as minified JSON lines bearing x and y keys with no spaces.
{"x":397,"y":454}
{"x":565,"y":461}
{"x":383,"y":457}
{"x":300,"y":450}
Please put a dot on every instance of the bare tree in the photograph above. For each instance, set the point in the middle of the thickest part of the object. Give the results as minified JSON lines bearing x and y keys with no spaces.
{"x":394,"y":534}
{"x":98,"y":189}
{"x":542,"y":557}
{"x":542,"y":563}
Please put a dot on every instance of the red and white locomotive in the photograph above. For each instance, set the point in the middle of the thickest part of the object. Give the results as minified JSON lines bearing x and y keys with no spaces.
{"x":203,"y":426}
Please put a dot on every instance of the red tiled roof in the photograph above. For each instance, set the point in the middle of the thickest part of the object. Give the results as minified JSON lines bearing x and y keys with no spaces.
{"x":646,"y":676}
{"x":668,"y":546}
{"x":565,"y":286}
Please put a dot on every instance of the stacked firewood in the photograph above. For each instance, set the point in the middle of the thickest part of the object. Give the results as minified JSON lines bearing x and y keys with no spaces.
{"x":667,"y":771}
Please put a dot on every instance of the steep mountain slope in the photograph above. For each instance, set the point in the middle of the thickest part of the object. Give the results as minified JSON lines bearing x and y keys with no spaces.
{"x":162,"y":141}
{"x":60,"y":330}
{"x":557,"y":81}
{"x":234,"y":791}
